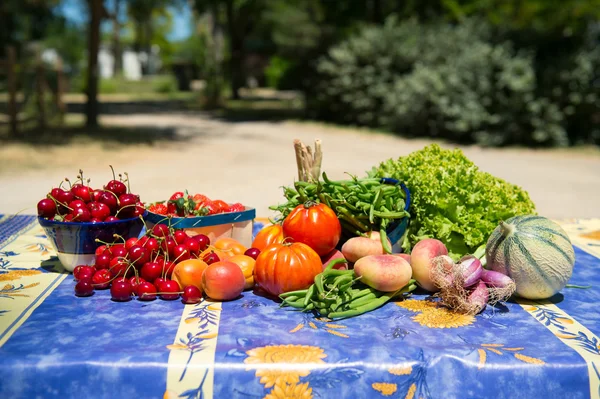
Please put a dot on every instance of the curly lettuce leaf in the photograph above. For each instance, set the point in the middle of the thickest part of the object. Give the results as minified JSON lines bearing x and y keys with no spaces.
{"x":452,"y":200}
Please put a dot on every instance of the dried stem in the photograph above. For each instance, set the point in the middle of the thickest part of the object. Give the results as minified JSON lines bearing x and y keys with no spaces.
{"x":308,"y":160}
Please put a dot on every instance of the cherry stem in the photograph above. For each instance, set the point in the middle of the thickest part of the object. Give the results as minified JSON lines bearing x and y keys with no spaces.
{"x":121,"y":237}
{"x":126,"y":206}
{"x":113,"y":172}
{"x":68,"y":181}
{"x":128,"y":186}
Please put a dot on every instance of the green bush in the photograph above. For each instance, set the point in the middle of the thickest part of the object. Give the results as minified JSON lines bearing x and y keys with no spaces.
{"x":164,"y":84}
{"x":454,"y":82}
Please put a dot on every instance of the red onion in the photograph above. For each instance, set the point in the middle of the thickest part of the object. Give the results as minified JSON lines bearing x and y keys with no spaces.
{"x":495,"y":279}
{"x":478,"y":298}
{"x":471,"y":270}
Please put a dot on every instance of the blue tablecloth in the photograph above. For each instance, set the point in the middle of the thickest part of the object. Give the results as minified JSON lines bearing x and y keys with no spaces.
{"x":54,"y":344}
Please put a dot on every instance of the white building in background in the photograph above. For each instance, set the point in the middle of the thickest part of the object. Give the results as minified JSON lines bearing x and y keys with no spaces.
{"x":132,"y":63}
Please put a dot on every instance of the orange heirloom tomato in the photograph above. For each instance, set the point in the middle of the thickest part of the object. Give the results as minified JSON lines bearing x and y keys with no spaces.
{"x":315,"y":225}
{"x":272,"y":234}
{"x":286,"y":267}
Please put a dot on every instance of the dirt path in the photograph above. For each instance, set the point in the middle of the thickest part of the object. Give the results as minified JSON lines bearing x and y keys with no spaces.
{"x":249,"y":162}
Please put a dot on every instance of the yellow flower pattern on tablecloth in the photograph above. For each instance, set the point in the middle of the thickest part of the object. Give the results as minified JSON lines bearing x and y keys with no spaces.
{"x":500,"y":349}
{"x":17,"y":274}
{"x":431,"y":315}
{"x":288,"y":355}
{"x":322,"y":324}
{"x":290,"y":391}
{"x":385,"y":388}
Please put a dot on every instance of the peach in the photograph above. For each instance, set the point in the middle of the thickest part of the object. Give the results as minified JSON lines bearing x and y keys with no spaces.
{"x":189,"y":272}
{"x":385,"y":273}
{"x":333,"y":255}
{"x":406,"y":257}
{"x":358,"y":247}
{"x":421,"y":258}
{"x":223,"y":281}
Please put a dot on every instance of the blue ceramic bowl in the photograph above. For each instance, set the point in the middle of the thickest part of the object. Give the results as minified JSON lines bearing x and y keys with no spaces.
{"x":76,"y":243}
{"x":396,"y":230}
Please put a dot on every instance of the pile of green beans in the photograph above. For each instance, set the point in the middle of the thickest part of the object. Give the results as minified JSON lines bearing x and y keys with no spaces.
{"x":362,"y":205}
{"x":338,"y":294}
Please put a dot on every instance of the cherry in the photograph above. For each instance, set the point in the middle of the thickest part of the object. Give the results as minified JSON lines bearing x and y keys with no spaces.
{"x":101,"y":279}
{"x":81,"y":215}
{"x":101,"y":249}
{"x":203,"y":241}
{"x":68,"y":218}
{"x":211,"y":258}
{"x":252,"y":252}
{"x":135,"y":282}
{"x":131,"y":242}
{"x":111,"y":218}
{"x":103,"y":261}
{"x":117,"y":187}
{"x":118,"y":251}
{"x":96,"y":195}
{"x":138,"y":255}
{"x":84,"y":288}
{"x":127,"y":204}
{"x":65,"y":197}
{"x":191,"y":294}
{"x":168,"y":245}
{"x":83,"y":273}
{"x":168,"y":268}
{"x":160,"y":230}
{"x":76,"y":204}
{"x":193,"y":246}
{"x":169,"y":290}
{"x":109,"y":200}
{"x":158,"y":282}
{"x":140,"y":208}
{"x":46,"y":208}
{"x":98,"y":210}
{"x":118,"y":267}
{"x":181,"y":253}
{"x":151,"y":244}
{"x":55,"y":192}
{"x":146,"y":291}
{"x":151,"y":271}
{"x":180,"y":236}
{"x":95,"y":220}
{"x":120,"y":291}
{"x":82,"y":192}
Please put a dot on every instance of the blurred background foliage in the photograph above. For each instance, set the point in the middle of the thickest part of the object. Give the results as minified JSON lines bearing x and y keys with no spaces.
{"x":494,"y":72}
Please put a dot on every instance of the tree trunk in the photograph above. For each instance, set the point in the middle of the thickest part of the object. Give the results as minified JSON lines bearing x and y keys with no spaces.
{"x":236,"y":47}
{"x":117,"y":67}
{"x":92,"y":72}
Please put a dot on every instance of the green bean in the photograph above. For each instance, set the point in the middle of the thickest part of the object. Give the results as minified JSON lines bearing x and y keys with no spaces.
{"x":343,"y":212}
{"x":309,"y":293}
{"x":384,"y":241}
{"x":293,"y":293}
{"x":390,"y":214}
{"x":372,"y":305}
{"x":319,"y":283}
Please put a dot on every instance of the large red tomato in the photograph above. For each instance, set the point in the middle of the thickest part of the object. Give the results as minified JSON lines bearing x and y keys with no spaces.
{"x":269,"y":235}
{"x":315,"y":225}
{"x":286,"y":267}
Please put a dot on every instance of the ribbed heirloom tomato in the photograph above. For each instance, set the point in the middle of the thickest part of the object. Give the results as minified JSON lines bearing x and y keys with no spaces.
{"x":286,"y":267}
{"x":315,"y":225}
{"x":272,"y":234}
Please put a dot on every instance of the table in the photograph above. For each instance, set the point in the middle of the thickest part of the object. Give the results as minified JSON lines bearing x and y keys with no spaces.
{"x":54,"y":344}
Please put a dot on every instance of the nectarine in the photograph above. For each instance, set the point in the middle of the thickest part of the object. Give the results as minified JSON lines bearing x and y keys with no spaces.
{"x":385,"y":273}
{"x":421,"y":261}
{"x":223,"y":281}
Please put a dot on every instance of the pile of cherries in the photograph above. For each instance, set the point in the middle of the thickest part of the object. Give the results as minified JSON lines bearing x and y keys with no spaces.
{"x":143,"y":267}
{"x":82,"y":203}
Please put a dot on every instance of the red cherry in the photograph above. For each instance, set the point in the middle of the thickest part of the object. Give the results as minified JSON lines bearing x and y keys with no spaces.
{"x":109,"y":200}
{"x":138,"y":255}
{"x":96,"y":195}
{"x":81,"y":215}
{"x":191,"y":294}
{"x":101,"y":279}
{"x":193,"y":246}
{"x":65,"y":197}
{"x":146,"y":291}
{"x":168,"y":268}
{"x":111,"y":219}
{"x":252,"y":252}
{"x":160,"y":230}
{"x":181,"y":253}
{"x":84,"y":288}
{"x":68,"y":218}
{"x":180,"y":236}
{"x":46,"y":208}
{"x":101,"y":249}
{"x":135,"y":282}
{"x":118,"y":267}
{"x":203,"y":241}
{"x":98,"y":210}
{"x":103,"y":261}
{"x":55,"y":192}
{"x":211,"y":258}
{"x":118,"y":251}
{"x":158,"y":282}
{"x":151,"y":245}
{"x":75,"y":204}
{"x":120,"y":291}
{"x":131,"y":242}
{"x":151,"y":271}
{"x":169,"y":290}
{"x":82,"y":192}
{"x":117,"y":187}
{"x":83,"y":273}
{"x":168,"y":244}
{"x":127,"y":205}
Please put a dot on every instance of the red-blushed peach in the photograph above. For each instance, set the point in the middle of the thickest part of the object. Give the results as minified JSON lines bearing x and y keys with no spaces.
{"x":421,"y":261}
{"x":358,"y":247}
{"x":333,"y":255}
{"x":385,"y":273}
{"x":223,"y":280}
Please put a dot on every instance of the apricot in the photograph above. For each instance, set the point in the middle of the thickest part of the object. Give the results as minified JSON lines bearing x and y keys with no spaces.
{"x":421,"y":261}
{"x":189,"y":272}
{"x":245,"y":263}
{"x":385,"y":273}
{"x":229,"y":246}
{"x":358,"y":247}
{"x":223,"y":281}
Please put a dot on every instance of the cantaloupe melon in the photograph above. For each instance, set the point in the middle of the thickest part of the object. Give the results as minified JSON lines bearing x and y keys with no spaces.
{"x":535,"y":252}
